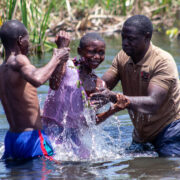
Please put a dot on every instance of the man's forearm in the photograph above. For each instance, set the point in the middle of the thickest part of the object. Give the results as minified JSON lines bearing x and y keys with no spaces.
{"x":110,"y":79}
{"x":57,"y":76}
{"x":41,"y":75}
{"x":62,"y":40}
{"x":144,"y":104}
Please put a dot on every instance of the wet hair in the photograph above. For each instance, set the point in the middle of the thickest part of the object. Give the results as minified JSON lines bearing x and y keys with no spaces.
{"x":90,"y":37}
{"x":10,"y":31}
{"x":142,"y":23}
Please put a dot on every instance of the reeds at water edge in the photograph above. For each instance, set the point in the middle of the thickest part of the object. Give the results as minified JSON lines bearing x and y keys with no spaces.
{"x":40,"y":15}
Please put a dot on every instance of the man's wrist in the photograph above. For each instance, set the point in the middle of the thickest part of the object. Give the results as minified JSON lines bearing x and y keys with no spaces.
{"x":62,"y":45}
{"x":129,"y":102}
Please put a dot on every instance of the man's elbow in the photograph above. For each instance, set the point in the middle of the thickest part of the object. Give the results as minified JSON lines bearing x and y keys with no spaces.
{"x":35,"y":80}
{"x":37,"y":83}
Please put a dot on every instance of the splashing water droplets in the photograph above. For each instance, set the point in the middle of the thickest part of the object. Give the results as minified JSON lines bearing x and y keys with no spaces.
{"x":95,"y":142}
{"x":72,"y":127}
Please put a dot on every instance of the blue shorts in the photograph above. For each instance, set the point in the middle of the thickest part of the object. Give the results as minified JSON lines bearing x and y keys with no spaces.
{"x":25,"y":145}
{"x":167,"y":142}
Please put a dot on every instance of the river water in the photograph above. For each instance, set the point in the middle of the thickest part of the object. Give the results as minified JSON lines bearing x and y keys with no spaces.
{"x":108,"y":140}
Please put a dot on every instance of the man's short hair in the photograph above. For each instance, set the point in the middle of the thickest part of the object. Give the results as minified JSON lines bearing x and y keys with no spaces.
{"x":10,"y":31}
{"x":141,"y":22}
{"x":90,"y":37}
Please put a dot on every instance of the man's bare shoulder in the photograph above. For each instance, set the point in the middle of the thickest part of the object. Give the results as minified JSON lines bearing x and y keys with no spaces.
{"x":22,"y":60}
{"x":16,"y":62}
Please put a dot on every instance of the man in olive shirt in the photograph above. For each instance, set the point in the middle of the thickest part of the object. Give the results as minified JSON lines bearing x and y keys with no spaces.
{"x":150,"y":82}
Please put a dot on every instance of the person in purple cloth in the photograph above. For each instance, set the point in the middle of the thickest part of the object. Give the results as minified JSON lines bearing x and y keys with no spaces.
{"x":92,"y":53}
{"x":18,"y":94}
{"x":70,"y":85}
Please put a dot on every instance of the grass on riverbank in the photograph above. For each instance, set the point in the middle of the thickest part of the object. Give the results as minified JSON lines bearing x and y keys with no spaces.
{"x":44,"y":18}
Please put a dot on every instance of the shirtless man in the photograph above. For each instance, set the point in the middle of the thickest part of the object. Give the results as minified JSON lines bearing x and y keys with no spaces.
{"x":18,"y":82}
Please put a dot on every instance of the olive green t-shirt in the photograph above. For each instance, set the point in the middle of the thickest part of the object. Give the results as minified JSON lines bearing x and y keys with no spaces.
{"x":157,"y":67}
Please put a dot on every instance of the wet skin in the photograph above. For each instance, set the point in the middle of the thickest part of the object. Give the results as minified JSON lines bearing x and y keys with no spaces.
{"x":135,"y":45}
{"x":18,"y":82}
{"x":62,"y":40}
{"x":24,"y":44}
{"x":93,"y":54}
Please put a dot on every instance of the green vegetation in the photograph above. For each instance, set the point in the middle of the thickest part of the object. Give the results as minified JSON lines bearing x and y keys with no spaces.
{"x":44,"y":18}
{"x":35,"y":15}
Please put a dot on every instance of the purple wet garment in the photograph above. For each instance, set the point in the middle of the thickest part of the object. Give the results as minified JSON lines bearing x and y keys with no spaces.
{"x":63,"y":111}
{"x":67,"y":102}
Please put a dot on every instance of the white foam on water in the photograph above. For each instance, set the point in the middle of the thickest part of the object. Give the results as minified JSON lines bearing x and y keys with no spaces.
{"x":1,"y":149}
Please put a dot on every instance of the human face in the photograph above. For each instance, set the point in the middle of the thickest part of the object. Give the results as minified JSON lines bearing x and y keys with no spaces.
{"x":24,"y":44}
{"x":93,"y":53}
{"x":133,"y":43}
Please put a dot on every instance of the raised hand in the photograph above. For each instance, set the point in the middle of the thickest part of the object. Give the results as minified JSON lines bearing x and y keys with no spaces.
{"x":62,"y":39}
{"x":61,"y":55}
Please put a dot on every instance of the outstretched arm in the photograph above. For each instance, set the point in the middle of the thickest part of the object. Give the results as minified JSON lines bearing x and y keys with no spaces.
{"x":110,"y":78}
{"x":118,"y":106}
{"x":62,"y":40}
{"x":151,"y":103}
{"x":38,"y":76}
{"x":101,"y":85}
{"x":146,"y":104}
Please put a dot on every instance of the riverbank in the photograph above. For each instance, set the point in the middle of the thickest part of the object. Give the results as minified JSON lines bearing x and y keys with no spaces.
{"x":44,"y":18}
{"x":78,"y":21}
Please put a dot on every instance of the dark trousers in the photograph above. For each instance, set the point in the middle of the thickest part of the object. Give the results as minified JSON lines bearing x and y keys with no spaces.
{"x":167,"y":142}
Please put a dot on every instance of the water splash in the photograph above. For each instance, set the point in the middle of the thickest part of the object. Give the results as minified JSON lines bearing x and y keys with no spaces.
{"x":70,"y":124}
{"x":1,"y":149}
{"x":96,"y":142}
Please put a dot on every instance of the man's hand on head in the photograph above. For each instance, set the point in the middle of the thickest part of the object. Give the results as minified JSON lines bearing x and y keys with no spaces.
{"x":62,"y":39}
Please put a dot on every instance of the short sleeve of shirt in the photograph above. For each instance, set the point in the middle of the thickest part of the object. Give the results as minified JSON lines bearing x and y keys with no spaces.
{"x":164,"y":73}
{"x":117,"y":64}
{"x":114,"y":67}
